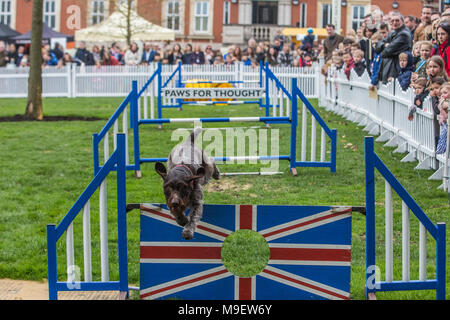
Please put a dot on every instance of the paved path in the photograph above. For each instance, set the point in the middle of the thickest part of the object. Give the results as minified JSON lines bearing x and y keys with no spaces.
{"x":35,"y":290}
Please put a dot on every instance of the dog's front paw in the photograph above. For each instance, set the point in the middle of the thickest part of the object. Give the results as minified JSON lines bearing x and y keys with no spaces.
{"x":187,"y":234}
{"x":182,"y":220}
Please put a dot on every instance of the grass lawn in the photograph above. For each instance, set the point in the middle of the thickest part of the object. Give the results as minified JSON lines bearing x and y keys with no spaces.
{"x":46,"y":165}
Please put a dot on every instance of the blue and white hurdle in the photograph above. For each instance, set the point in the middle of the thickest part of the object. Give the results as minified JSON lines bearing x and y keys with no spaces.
{"x":287,"y":114}
{"x":437,"y":231}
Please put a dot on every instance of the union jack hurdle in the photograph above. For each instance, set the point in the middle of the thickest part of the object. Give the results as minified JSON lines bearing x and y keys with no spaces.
{"x":310,"y":253}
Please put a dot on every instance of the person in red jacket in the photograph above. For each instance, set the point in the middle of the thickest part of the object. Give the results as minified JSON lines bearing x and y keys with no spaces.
{"x":443,"y":47}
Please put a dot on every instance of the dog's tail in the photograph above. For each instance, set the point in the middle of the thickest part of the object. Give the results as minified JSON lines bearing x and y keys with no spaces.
{"x":194,"y":134}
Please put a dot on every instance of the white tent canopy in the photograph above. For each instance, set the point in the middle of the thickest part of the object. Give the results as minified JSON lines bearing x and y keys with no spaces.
{"x":114,"y":28}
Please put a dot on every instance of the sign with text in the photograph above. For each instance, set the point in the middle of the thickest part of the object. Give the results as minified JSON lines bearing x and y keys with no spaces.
{"x":212,"y":93}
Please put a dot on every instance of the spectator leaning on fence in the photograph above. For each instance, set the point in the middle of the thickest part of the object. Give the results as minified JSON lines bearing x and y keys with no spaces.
{"x":360,"y":64}
{"x":398,"y":41}
{"x":84,"y":55}
{"x":406,"y":65}
{"x":443,"y":118}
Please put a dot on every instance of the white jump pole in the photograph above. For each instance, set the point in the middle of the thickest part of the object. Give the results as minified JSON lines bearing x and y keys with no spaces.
{"x":87,"y":242}
{"x":388,"y":232}
{"x":405,"y":243}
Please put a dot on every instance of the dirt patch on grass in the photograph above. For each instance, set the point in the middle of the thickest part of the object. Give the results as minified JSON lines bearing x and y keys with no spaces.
{"x":226,"y":185}
{"x":21,"y":118}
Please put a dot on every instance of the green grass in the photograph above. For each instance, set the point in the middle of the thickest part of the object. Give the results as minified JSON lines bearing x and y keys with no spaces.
{"x":46,"y":165}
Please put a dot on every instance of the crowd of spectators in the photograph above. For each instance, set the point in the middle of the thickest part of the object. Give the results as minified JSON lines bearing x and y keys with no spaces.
{"x":414,"y":51}
{"x":280,"y":51}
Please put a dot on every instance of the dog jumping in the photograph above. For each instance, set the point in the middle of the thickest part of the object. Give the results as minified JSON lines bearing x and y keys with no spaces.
{"x":188,"y":169}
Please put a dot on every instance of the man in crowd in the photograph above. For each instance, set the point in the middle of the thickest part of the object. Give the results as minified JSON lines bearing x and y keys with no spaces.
{"x":331,"y":42}
{"x":424,"y":29}
{"x":398,"y":41}
{"x":411,"y":24}
{"x":84,"y":55}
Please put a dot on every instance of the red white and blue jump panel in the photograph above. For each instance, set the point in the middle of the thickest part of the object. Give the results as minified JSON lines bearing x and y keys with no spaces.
{"x":310,"y":253}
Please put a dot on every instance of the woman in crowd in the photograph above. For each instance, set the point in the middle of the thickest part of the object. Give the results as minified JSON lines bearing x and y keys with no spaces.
{"x":108,"y":59}
{"x":443,"y":49}
{"x":186,"y":58}
{"x":175,"y":55}
{"x":197,"y":57}
{"x":271,"y":57}
{"x":133,"y":56}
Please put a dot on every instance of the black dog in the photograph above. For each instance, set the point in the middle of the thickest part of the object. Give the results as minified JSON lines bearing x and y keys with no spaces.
{"x":189,"y":169}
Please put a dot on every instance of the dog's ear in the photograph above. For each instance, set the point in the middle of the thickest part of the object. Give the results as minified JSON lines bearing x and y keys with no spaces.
{"x":161,"y":170}
{"x":199,"y":174}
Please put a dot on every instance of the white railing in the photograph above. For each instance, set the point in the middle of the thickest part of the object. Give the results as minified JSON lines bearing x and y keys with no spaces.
{"x":115,"y":81}
{"x":385,"y":113}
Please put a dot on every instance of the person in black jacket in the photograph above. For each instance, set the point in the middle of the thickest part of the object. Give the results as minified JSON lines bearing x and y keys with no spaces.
{"x":84,"y":55}
{"x":398,"y":41}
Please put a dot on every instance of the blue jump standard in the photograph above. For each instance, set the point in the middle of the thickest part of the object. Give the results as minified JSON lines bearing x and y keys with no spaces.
{"x":235,"y":119}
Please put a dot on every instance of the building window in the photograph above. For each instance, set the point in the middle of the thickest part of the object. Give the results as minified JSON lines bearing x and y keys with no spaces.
{"x":173,"y":15}
{"x":358,"y":13}
{"x":326,"y":14}
{"x":201,"y":14}
{"x":265,"y":12}
{"x":49,"y":11}
{"x":303,"y":14}
{"x":98,"y":11}
{"x":226,"y":12}
{"x":5,"y":12}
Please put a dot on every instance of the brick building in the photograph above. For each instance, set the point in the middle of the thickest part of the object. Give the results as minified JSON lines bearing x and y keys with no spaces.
{"x":214,"y":21}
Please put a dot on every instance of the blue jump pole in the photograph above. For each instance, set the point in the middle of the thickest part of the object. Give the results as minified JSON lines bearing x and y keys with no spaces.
{"x":370,"y":215}
{"x":52,"y":262}
{"x":134,"y":119}
{"x":122,"y":214}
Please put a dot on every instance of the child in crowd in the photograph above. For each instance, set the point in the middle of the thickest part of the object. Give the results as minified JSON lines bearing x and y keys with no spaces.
{"x":421,"y":92}
{"x":425,"y":50}
{"x":416,"y":51}
{"x":360,"y":64}
{"x":435,"y":94}
{"x":348,"y":64}
{"x":435,"y":67}
{"x":405,"y":61}
{"x":376,"y":62}
{"x":338,"y":62}
{"x":443,"y":118}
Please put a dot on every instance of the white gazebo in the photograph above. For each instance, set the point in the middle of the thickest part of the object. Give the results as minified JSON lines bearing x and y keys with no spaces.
{"x":115,"y":27}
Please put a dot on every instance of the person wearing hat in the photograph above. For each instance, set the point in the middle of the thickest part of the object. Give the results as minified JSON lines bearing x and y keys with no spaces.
{"x":308,"y":39}
{"x":446,"y":4}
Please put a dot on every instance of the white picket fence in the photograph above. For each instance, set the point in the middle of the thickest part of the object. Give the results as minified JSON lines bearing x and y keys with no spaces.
{"x":115,"y":81}
{"x":385,"y":113}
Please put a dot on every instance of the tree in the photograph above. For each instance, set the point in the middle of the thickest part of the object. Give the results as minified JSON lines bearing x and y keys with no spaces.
{"x":128,"y":9}
{"x":34,"y":108}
